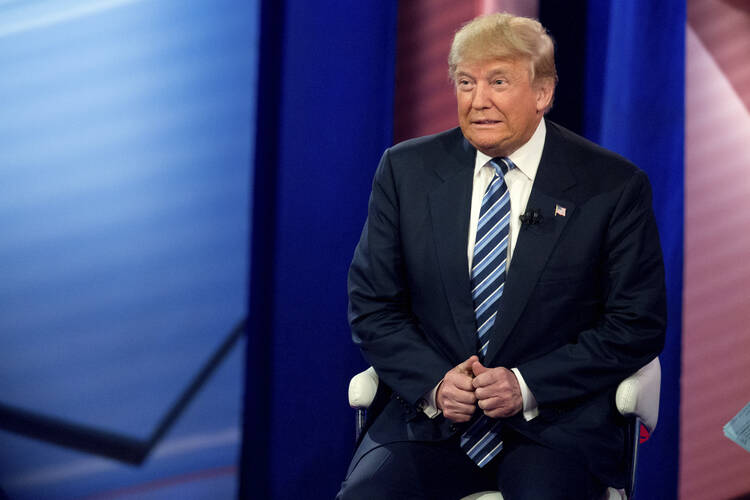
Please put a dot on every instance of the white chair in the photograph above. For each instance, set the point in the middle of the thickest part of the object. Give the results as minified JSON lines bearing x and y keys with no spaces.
{"x":637,"y":398}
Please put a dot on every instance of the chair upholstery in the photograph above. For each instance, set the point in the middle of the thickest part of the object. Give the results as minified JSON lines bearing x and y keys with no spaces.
{"x":362,"y":389}
{"x":611,"y":494}
{"x":637,"y":397}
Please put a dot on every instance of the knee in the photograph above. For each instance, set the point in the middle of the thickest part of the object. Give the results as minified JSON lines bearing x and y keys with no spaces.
{"x":552,"y":490}
{"x":361,"y":488}
{"x":364,"y":479}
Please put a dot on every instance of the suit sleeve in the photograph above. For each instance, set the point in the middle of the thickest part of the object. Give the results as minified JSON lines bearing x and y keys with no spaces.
{"x":631,"y":329}
{"x":382,"y":321}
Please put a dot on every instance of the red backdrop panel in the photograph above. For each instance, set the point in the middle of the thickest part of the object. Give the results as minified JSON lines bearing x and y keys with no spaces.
{"x":716,"y":334}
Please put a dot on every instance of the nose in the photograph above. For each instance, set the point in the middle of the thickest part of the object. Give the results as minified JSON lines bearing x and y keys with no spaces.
{"x":480,"y":99}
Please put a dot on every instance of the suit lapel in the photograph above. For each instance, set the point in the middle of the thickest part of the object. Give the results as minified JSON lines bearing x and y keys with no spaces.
{"x":449,"y":213}
{"x":535,"y":242}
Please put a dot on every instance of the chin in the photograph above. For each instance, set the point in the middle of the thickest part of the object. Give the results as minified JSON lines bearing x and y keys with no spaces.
{"x":490,"y":148}
{"x":488,"y":141}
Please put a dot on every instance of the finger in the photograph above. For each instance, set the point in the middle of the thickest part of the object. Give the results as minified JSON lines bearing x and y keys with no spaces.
{"x":500,"y":412}
{"x":489,"y":404}
{"x":453,"y":413}
{"x":484,"y":379}
{"x":493,"y":376}
{"x":496,"y":413}
{"x":466,"y":365}
{"x":462,"y":382}
{"x":499,"y":407}
{"x":485,"y":392}
{"x":465,"y":397}
{"x":496,"y":408}
{"x":466,"y":409}
{"x":458,"y":418}
{"x":451,"y":392}
{"x":459,"y":414}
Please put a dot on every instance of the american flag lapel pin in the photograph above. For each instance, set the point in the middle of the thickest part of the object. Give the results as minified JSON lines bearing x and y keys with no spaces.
{"x":559,"y":210}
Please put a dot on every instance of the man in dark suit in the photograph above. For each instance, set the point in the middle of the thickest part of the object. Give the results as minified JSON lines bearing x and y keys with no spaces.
{"x":574,"y":302}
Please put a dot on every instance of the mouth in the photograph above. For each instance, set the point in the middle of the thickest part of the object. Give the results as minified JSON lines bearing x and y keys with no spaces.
{"x":485,"y":122}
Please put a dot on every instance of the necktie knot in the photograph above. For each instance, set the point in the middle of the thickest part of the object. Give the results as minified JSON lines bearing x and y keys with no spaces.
{"x":502,"y":165}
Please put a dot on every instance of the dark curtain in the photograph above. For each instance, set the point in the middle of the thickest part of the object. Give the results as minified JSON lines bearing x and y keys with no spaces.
{"x":325,"y":114}
{"x":634,"y":105}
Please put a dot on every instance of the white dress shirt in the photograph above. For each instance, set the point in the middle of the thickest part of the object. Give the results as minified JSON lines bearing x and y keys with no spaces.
{"x":519,"y":181}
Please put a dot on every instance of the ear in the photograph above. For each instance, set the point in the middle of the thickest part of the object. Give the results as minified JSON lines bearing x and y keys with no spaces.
{"x":544,"y":89}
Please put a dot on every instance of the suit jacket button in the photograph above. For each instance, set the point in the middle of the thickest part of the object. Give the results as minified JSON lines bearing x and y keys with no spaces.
{"x":453,"y":428}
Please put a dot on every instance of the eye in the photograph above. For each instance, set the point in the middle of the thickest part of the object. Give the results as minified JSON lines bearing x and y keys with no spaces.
{"x":499,"y":82}
{"x":465,"y":84}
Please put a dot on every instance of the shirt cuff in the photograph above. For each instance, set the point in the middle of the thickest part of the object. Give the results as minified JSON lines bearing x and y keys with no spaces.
{"x":428,"y":403}
{"x":530,"y":408}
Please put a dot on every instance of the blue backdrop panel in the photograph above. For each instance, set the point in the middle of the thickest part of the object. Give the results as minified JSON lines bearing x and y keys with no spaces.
{"x":203,"y":445}
{"x":635,"y":106}
{"x":125,"y":143}
{"x":327,"y":116}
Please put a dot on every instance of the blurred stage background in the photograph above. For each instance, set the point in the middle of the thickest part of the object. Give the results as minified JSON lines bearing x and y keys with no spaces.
{"x":125,"y":150}
{"x":182,"y":186}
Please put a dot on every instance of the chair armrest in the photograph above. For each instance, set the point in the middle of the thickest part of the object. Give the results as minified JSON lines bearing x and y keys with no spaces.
{"x":638,"y":395}
{"x":362,"y":389}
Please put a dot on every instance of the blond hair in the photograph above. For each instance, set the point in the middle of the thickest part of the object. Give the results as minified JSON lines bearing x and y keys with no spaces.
{"x":505,"y":36}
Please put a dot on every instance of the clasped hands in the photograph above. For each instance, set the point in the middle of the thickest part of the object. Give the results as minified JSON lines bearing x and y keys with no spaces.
{"x":470,"y":385}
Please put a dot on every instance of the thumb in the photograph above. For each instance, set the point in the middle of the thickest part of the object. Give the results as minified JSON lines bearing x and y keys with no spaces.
{"x":466,"y":365}
{"x":478,"y":368}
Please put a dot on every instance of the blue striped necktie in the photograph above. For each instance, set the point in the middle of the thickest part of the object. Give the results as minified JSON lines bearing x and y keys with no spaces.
{"x":482,"y":441}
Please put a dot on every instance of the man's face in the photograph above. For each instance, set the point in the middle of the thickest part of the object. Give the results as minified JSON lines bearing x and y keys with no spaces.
{"x":498,"y":108}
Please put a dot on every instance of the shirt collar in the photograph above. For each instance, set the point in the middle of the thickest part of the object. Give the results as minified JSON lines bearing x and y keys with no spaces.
{"x":526,"y":158}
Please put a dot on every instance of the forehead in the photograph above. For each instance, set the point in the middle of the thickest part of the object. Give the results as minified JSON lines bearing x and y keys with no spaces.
{"x":506,"y":65}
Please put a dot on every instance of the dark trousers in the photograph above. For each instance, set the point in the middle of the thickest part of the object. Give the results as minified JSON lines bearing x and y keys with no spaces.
{"x":523,"y":470}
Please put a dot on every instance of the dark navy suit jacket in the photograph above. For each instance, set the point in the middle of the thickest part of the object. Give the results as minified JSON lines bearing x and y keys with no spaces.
{"x":583,"y":305}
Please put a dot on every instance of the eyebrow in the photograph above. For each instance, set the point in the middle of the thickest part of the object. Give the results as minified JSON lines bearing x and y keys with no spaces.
{"x":501,"y":72}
